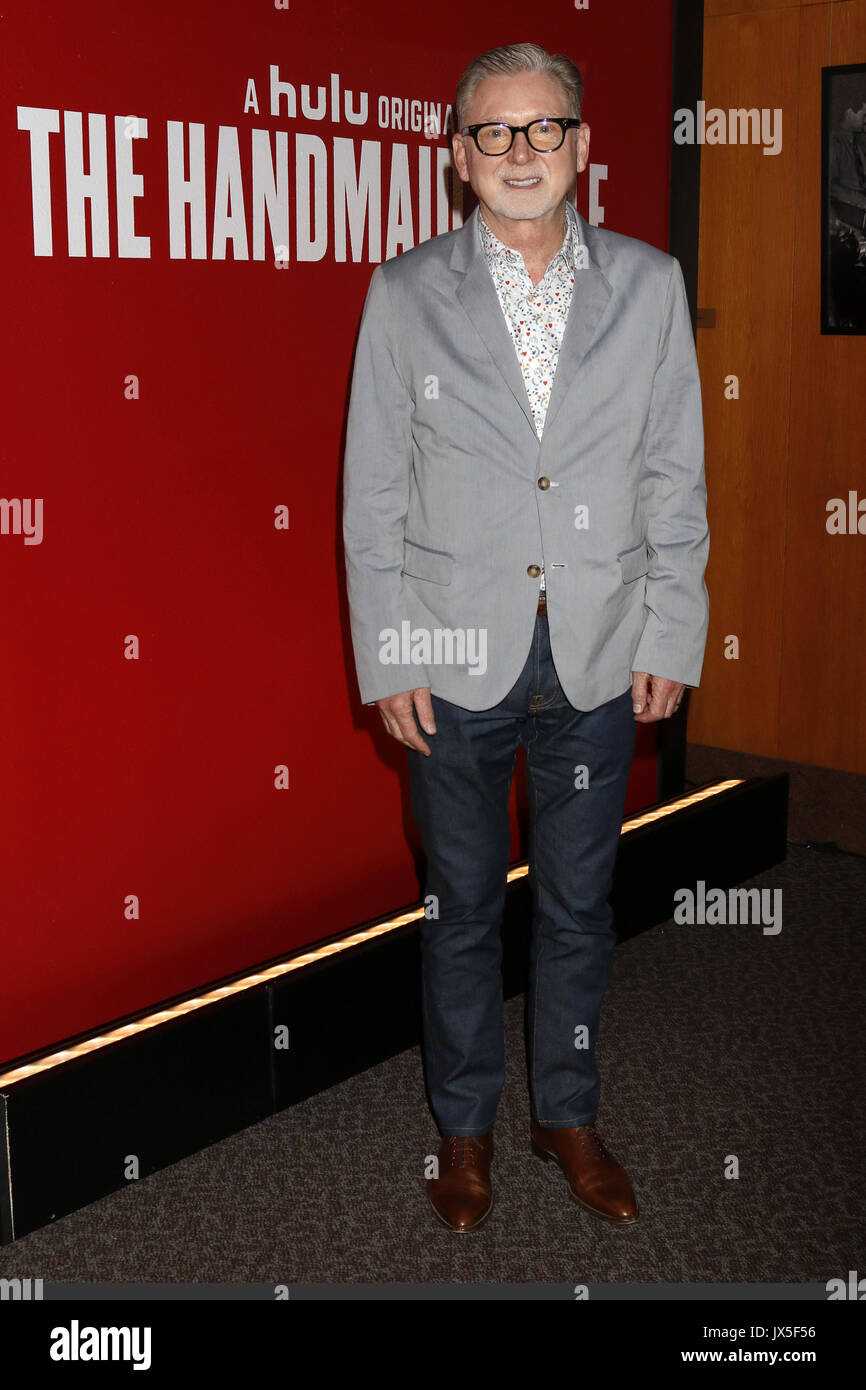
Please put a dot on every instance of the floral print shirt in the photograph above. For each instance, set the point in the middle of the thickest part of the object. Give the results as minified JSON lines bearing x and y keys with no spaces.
{"x":535,"y":314}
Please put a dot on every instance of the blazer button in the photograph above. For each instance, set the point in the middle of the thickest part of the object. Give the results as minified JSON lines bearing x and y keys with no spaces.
{"x":544,"y":484}
{"x":534,"y":571}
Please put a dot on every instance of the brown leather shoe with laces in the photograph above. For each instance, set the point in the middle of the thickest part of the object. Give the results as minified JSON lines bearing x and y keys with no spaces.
{"x":462,"y":1195}
{"x":595,"y":1178}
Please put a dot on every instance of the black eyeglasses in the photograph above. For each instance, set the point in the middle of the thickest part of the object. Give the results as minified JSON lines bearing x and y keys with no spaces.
{"x":544,"y":135}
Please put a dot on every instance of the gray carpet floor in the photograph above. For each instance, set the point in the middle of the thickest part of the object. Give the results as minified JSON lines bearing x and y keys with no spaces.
{"x":824,"y":804}
{"x":716,"y":1041}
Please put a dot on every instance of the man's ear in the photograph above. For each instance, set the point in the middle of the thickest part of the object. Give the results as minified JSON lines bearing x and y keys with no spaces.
{"x":582,"y":148}
{"x":459,"y":154}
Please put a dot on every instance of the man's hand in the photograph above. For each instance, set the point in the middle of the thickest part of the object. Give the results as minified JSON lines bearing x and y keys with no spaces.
{"x":398,"y":716}
{"x":654,"y":697}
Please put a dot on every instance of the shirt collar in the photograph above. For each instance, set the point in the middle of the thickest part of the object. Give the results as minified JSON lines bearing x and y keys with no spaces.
{"x":496,"y":250}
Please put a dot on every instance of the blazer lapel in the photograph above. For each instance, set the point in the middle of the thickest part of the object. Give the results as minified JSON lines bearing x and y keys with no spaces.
{"x":589,"y":299}
{"x":477,"y":294}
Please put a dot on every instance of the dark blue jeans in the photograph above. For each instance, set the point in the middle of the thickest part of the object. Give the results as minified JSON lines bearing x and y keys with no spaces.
{"x":459,"y":798}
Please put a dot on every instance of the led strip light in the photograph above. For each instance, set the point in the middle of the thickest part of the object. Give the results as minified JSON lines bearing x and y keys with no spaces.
{"x":201,"y":1001}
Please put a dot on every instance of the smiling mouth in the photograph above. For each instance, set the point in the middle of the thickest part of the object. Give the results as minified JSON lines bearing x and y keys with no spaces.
{"x":522,"y":183}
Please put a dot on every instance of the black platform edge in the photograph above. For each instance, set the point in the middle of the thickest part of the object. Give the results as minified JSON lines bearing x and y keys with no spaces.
{"x":88,"y":1126}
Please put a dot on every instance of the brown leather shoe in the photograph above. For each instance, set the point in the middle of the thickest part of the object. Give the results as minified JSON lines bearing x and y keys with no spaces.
{"x":595,"y":1178}
{"x":462,"y":1195}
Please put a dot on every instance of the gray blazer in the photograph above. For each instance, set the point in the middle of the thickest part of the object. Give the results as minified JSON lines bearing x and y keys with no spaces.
{"x":452,"y":504}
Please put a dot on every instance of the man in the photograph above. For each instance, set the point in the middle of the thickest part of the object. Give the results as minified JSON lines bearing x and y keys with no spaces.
{"x":847,"y":222}
{"x":848,"y":169}
{"x":526,"y":538}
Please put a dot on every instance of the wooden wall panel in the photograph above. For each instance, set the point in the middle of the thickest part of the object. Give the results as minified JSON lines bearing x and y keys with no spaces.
{"x":745,"y":259}
{"x":822,"y":711}
{"x":795,"y":595}
{"x":728,"y":7}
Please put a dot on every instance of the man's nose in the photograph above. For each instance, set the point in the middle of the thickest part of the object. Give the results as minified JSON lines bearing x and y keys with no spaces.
{"x":521,"y":150}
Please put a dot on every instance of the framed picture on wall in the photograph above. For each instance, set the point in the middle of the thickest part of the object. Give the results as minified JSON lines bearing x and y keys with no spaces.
{"x":843,"y":218}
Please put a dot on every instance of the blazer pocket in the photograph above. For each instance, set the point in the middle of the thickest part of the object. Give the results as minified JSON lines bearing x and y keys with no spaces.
{"x":634,"y":562}
{"x":422,"y":563}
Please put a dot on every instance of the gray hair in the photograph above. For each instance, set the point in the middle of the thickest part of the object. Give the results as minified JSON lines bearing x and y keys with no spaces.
{"x":514,"y":58}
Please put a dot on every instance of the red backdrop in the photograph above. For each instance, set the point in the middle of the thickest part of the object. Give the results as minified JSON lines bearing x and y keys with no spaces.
{"x":161,"y":406}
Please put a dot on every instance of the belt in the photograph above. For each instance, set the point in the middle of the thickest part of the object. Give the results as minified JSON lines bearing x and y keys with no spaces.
{"x":542,"y":605}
